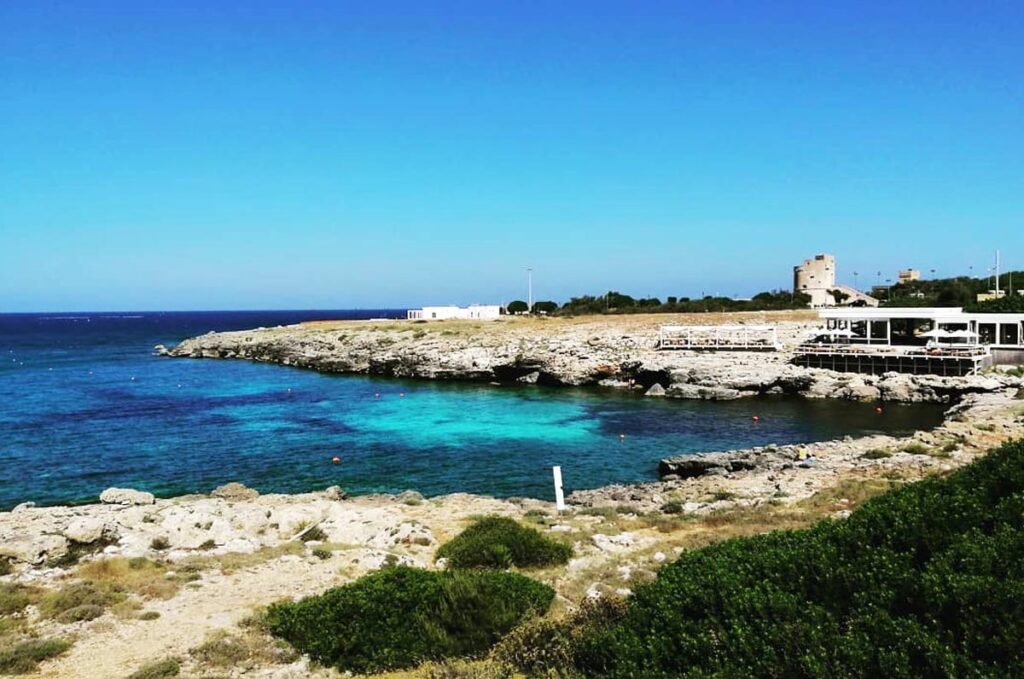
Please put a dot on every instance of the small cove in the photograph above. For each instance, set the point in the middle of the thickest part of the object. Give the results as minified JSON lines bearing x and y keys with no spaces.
{"x":87,"y":406}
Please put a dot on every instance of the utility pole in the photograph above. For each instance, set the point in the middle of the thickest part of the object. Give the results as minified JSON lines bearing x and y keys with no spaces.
{"x":529,"y":286}
{"x":855,"y":280}
{"x":997,"y":274}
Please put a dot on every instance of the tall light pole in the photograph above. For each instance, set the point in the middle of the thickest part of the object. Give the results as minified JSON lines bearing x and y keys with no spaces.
{"x":855,"y":280}
{"x":529,"y":288}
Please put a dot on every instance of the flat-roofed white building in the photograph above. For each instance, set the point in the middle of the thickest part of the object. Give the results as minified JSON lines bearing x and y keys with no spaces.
{"x":1002,"y":333}
{"x":480,"y":312}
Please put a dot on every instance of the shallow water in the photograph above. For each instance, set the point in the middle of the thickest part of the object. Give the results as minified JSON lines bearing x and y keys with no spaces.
{"x":84,"y":405}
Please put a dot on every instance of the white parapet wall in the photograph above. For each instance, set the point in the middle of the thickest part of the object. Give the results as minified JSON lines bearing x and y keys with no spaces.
{"x":720,"y":337}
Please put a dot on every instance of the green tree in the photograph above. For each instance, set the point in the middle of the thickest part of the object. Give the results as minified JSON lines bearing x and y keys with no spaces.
{"x":545,"y":307}
{"x":518,"y":307}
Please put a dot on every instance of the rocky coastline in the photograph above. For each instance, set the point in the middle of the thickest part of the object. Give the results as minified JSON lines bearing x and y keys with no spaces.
{"x":613,"y":352}
{"x":222,"y":556}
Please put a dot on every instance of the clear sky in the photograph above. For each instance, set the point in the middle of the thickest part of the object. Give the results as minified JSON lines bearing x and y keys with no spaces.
{"x":217,"y":155}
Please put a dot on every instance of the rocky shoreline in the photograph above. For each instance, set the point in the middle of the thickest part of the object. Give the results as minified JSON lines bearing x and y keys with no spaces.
{"x":218,"y":558}
{"x":615,"y":352}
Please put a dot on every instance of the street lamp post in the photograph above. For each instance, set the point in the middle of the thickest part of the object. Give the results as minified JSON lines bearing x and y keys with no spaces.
{"x":529,"y":288}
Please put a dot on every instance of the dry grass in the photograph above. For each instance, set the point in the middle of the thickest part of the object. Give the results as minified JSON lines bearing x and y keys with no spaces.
{"x":143,"y":577}
{"x":253,"y":647}
{"x":228,"y":563}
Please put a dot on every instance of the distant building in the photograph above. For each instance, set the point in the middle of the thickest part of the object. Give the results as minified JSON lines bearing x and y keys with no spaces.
{"x":481,"y":312}
{"x":991,"y":295}
{"x":908,"y":275}
{"x":816,"y":278}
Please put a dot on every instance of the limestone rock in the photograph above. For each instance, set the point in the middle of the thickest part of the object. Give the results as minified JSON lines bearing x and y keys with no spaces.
{"x":234,"y":491}
{"x":655,"y":390}
{"x":88,"y":529}
{"x":126,"y":496}
{"x":335,"y":493}
{"x":34,"y":549}
{"x":703,"y":393}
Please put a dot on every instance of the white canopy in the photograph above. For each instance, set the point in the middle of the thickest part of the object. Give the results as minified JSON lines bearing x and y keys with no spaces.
{"x":938,"y":332}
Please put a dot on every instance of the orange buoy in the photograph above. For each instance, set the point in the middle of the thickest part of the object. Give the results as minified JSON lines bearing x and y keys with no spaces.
{"x":336,"y":460}
{"x":878,"y":410}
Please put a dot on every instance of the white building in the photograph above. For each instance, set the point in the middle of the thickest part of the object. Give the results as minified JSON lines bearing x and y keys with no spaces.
{"x":480,"y":312}
{"x":920,"y":326}
{"x":816,"y":278}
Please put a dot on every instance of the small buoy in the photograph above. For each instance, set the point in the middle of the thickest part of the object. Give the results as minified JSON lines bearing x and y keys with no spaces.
{"x":289,"y":390}
{"x":622,"y":436}
{"x":179,"y":386}
{"x":336,"y":460}
{"x":878,"y":410}
{"x":401,"y":395}
{"x":133,"y":378}
{"x":377,"y":395}
{"x":756,"y":418}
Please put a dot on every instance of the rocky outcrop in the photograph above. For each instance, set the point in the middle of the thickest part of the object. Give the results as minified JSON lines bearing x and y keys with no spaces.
{"x":609,"y":351}
{"x":126,"y":496}
{"x":234,"y":491}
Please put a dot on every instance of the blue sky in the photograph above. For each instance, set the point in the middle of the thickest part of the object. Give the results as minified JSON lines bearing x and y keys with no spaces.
{"x":197,"y":155}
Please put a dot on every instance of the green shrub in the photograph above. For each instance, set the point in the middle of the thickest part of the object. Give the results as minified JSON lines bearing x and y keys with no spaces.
{"x":306,"y":534}
{"x":924,"y":581}
{"x":498,"y":542}
{"x":80,"y":613}
{"x":673,"y":507}
{"x":24,"y":657}
{"x":159,"y":543}
{"x":14,"y":597}
{"x":915,"y":448}
{"x":5,"y":566}
{"x":876,"y":454}
{"x":398,"y":617}
{"x":322,"y":554}
{"x":85,"y":596}
{"x":161,"y":669}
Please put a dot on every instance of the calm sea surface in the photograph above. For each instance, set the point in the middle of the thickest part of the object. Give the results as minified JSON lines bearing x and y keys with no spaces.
{"x":84,"y":405}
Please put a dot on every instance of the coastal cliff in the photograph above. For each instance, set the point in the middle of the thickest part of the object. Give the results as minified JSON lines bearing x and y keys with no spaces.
{"x":609,"y":351}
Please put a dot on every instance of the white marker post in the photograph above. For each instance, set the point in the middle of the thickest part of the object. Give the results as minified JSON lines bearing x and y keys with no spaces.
{"x":559,"y":498}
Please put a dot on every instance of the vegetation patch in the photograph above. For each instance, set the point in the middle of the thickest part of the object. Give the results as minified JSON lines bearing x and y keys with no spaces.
{"x":79,"y":601}
{"x":499,"y":542}
{"x":222,"y":650}
{"x":161,"y":669}
{"x":401,"y":616}
{"x":147,"y":578}
{"x":922,"y":581}
{"x":915,"y":448}
{"x":15,"y":597}
{"x":876,"y":454}
{"x":24,"y":657}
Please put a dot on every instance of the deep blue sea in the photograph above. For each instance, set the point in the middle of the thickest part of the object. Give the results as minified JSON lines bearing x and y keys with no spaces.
{"x":84,"y":405}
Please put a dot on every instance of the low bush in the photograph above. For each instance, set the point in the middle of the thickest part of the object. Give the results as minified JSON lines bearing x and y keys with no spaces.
{"x":673,"y":507}
{"x":915,"y":448}
{"x":5,"y":566}
{"x":221,"y":649}
{"x":159,"y":543}
{"x":14,"y":597}
{"x":24,"y":657}
{"x":498,"y":542}
{"x":78,"y":601}
{"x":322,"y":553}
{"x":401,"y":616}
{"x":923,"y":581}
{"x":876,"y":454}
{"x":161,"y":669}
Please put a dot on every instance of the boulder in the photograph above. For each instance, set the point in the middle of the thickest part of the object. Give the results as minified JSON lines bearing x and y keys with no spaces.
{"x":34,"y":549}
{"x":23,"y":507}
{"x":126,"y":496}
{"x":701,"y":392}
{"x":655,"y":390}
{"x":88,"y":529}
{"x":692,"y":466}
{"x":234,"y":491}
{"x":335,"y":493}
{"x":530,"y":378}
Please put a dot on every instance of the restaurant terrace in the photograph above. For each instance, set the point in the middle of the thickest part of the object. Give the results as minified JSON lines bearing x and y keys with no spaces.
{"x":920,"y":340}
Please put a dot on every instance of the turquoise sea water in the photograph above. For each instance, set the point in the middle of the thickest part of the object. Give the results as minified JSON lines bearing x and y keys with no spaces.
{"x":84,"y":405}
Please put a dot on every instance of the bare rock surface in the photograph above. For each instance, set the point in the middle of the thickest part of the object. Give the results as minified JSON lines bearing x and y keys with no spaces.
{"x":611,"y":351}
